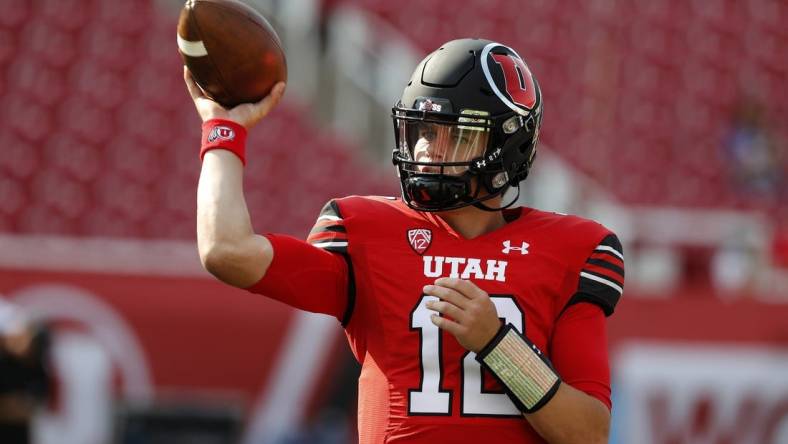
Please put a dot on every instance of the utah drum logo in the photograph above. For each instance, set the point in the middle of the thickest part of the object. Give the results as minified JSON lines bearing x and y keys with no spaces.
{"x":419,"y":239}
{"x":221,"y":133}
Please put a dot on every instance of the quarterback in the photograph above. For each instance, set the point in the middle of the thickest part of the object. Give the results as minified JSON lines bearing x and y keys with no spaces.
{"x":473,"y":321}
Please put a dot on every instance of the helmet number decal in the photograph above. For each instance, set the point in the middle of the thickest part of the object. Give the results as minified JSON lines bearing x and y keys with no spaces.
{"x":519,"y":81}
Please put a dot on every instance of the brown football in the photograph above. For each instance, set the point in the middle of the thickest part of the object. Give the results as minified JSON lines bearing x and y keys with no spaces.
{"x":231,"y":50}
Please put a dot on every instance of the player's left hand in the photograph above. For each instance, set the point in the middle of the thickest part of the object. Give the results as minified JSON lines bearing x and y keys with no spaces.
{"x":468,"y":313}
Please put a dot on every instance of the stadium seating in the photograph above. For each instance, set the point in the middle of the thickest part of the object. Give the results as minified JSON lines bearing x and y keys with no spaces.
{"x":100,"y":137}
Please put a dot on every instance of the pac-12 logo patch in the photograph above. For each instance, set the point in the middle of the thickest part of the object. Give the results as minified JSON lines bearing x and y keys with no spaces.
{"x":221,"y":133}
{"x":419,"y":239}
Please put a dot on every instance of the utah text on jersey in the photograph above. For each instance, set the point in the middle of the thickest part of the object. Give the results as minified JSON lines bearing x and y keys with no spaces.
{"x":490,"y":269}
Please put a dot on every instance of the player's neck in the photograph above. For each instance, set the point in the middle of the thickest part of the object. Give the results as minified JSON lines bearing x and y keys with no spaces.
{"x":471,"y":222}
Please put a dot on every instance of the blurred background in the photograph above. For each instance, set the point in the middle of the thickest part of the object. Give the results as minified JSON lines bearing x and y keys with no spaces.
{"x":665,"y":120}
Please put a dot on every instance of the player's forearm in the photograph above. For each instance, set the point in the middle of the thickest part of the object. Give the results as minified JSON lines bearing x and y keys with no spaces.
{"x":222,"y":216}
{"x":558,"y":412}
{"x":572,"y":417}
{"x":226,"y":241}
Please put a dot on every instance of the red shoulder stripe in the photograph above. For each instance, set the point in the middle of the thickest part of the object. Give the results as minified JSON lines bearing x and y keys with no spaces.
{"x":617,"y":277}
{"x":326,"y":235}
{"x":607,"y":257}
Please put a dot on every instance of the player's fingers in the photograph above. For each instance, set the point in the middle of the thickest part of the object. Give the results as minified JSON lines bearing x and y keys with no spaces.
{"x":448,"y":325}
{"x":194,"y":90}
{"x":462,"y":286}
{"x":279,"y":90}
{"x":269,"y":102}
{"x":446,"y":294}
{"x":448,"y":309}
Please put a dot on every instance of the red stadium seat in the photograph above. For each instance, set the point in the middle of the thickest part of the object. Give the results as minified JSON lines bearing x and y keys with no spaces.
{"x":15,"y":13}
{"x":66,"y":14}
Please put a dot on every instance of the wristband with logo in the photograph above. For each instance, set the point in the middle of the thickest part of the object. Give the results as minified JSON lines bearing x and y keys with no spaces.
{"x":224,"y":134}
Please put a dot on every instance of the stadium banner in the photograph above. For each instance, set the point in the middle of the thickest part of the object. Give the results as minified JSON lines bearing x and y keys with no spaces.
{"x":701,"y":393}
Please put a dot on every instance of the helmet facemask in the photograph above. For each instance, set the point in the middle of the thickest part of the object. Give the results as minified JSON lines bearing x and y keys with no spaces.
{"x":447,"y":161}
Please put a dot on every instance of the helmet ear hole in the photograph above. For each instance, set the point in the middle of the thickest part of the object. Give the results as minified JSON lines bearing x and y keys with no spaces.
{"x":528,"y":148}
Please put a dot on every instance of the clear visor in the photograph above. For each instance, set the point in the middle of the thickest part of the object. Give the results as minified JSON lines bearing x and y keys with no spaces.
{"x":428,"y":143}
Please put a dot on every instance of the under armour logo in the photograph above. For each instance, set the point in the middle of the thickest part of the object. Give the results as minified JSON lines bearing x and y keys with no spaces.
{"x":507,"y":247}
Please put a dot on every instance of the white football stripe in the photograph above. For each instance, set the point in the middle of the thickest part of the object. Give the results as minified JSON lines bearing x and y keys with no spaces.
{"x":192,"y":49}
{"x":328,"y":217}
{"x":330,"y":244}
{"x":610,"y":249}
{"x":602,"y":281}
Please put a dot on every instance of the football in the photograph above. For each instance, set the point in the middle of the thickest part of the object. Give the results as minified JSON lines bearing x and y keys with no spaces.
{"x":231,"y":50}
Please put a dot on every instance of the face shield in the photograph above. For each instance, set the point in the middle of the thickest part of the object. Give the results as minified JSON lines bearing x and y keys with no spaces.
{"x":431,"y":144}
{"x":436,"y":147}
{"x":435,"y":153}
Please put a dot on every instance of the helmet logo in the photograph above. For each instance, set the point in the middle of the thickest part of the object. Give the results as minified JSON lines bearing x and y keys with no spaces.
{"x":420,"y":239}
{"x":518,"y":91}
{"x":221,"y":132}
{"x":519,"y":81}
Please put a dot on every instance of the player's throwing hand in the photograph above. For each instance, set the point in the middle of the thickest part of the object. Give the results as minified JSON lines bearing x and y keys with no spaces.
{"x":246,"y":114}
{"x":468,"y":313}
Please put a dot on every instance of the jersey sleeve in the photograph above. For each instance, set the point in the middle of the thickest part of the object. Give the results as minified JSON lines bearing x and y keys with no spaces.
{"x":578,"y":350}
{"x":329,"y":232}
{"x":601,"y":280}
{"x":315,"y":275}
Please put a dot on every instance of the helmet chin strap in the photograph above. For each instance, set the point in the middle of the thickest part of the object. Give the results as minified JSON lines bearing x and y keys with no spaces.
{"x":480,"y":205}
{"x":429,"y":192}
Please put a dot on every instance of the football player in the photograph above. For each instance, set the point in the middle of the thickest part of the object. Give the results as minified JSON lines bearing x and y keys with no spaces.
{"x":473,"y":321}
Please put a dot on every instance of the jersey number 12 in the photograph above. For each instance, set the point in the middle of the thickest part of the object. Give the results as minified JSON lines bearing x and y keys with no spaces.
{"x":429,"y":398}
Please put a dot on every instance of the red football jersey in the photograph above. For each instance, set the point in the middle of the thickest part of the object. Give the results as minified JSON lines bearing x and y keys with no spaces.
{"x":417,"y":384}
